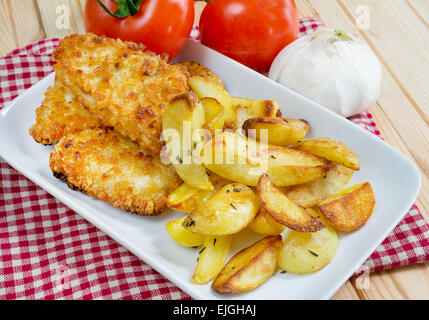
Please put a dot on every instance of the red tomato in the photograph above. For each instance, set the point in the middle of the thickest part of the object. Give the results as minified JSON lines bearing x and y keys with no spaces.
{"x":250,"y":31}
{"x":161,"y":25}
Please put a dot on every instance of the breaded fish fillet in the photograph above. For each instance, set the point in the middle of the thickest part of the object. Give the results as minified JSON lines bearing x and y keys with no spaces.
{"x":60,"y":113}
{"x":104,"y":164}
{"x":125,"y":86}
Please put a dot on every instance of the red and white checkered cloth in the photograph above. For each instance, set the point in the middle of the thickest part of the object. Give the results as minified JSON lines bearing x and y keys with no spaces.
{"x":49,"y":252}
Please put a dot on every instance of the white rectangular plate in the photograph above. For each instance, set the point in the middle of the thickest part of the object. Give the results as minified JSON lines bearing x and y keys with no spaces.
{"x":394,"y":178}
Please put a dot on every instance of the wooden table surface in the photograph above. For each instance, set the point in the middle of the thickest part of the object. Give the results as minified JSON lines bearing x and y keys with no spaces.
{"x":397,"y":31}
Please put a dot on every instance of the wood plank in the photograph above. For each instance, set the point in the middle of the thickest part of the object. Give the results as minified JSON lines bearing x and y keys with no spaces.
{"x":20,"y":25}
{"x":62,"y":17}
{"x":398,"y":110}
{"x":421,"y":9}
{"x":394,"y":284}
{"x":391,"y":25}
{"x":199,"y":7}
{"x":404,"y":115}
{"x":8,"y":38}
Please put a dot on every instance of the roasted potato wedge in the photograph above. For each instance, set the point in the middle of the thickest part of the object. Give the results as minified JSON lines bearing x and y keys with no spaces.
{"x":312,"y":193}
{"x":206,"y":88}
{"x":240,"y":159}
{"x":212,"y":258}
{"x":215,"y":116}
{"x":247,"y":108}
{"x":228,"y":211}
{"x":266,"y":225}
{"x":179,"y":144}
{"x":196,"y":69}
{"x":330,"y":149}
{"x":250,"y":267}
{"x":351,"y":208}
{"x":283,"y":210}
{"x":182,"y":236}
{"x":183,"y":192}
{"x":306,"y":252}
{"x":190,"y":203}
{"x":258,"y":108}
{"x":277,"y":131}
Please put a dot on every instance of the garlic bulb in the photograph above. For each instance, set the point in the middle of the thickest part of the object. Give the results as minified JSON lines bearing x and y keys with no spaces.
{"x":335,"y":69}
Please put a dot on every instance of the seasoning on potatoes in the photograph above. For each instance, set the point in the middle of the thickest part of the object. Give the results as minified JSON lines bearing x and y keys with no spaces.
{"x":306,"y":252}
{"x":266,"y":225}
{"x":196,"y":69}
{"x":284,"y":211}
{"x":188,"y":202}
{"x":183,"y":192}
{"x":240,"y":159}
{"x":212,"y":258}
{"x":228,"y":211}
{"x":248,"y":108}
{"x":182,"y":236}
{"x":312,"y":193}
{"x":351,"y":208}
{"x":207,"y":88}
{"x":180,"y":144}
{"x":280,"y":132}
{"x":250,"y":267}
{"x":330,"y":149}
{"x":215,"y":115}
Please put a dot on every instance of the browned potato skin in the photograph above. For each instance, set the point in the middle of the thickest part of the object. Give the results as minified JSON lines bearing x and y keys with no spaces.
{"x":196,"y":69}
{"x":312,"y":193}
{"x":350,"y":211}
{"x":286,"y":166}
{"x":331,"y":150}
{"x":190,"y":204}
{"x":265,"y":224}
{"x":281,"y":132}
{"x":285,"y":212}
{"x":243,"y":269}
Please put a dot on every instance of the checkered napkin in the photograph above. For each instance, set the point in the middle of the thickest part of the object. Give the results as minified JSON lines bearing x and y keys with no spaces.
{"x":49,"y":252}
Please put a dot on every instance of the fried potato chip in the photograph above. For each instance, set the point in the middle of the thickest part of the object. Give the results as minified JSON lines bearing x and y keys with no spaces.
{"x":266,"y":225}
{"x":228,"y":211}
{"x":312,"y":193}
{"x":196,"y":69}
{"x":248,"y":108}
{"x":180,"y":145}
{"x":306,"y":252}
{"x":240,"y":159}
{"x":207,"y":88}
{"x":215,"y":115}
{"x":280,"y":132}
{"x":250,"y":267}
{"x":330,"y":149}
{"x":182,"y":236}
{"x":283,"y":210}
{"x":351,"y":208}
{"x":190,"y":203}
{"x":212,"y":258}
{"x":183,"y":192}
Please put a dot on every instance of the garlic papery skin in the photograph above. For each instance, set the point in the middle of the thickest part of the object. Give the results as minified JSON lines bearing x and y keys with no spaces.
{"x":337,"y":70}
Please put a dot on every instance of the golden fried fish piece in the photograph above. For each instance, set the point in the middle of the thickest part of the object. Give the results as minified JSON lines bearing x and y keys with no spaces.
{"x":104,"y":164}
{"x":59,"y":114}
{"x":126,"y":87}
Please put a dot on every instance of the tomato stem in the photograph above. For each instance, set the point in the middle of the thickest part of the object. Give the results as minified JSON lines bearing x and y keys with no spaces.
{"x":126,"y":8}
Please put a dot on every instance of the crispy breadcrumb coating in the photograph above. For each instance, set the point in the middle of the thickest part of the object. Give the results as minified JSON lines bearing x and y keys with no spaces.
{"x":104,"y":164}
{"x":59,"y":114}
{"x":126,"y":87}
